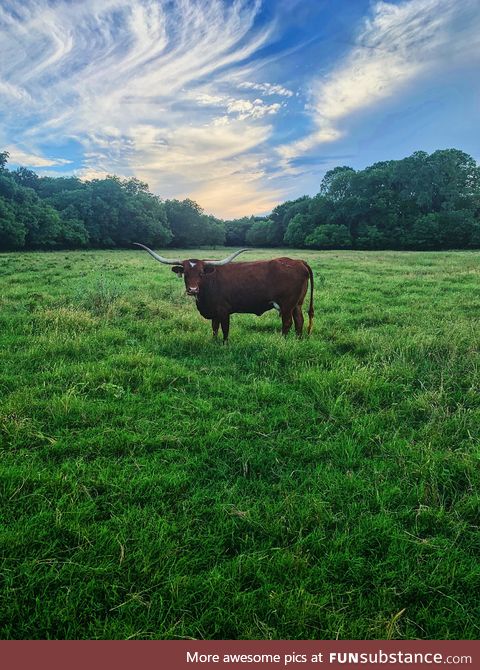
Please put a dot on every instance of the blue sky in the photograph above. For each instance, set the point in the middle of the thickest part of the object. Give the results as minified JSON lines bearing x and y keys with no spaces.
{"x":239,"y":104}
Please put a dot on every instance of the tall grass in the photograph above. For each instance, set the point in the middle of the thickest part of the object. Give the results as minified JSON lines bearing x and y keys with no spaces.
{"x":155,"y":484}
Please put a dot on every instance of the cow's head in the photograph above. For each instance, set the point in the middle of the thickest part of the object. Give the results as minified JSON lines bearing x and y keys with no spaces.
{"x":194,"y":271}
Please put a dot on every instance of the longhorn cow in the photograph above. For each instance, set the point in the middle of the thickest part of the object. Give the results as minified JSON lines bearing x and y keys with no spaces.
{"x":222,"y":288}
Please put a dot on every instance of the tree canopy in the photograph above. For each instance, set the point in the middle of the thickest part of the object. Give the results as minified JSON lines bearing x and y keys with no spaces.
{"x":425,"y":201}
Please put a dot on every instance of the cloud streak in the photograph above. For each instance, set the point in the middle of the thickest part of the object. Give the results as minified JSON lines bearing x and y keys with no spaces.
{"x":266,"y":88}
{"x":33,"y":160}
{"x":396,"y":46}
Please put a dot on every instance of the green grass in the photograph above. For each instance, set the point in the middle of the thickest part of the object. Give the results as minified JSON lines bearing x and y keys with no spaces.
{"x":155,"y":484}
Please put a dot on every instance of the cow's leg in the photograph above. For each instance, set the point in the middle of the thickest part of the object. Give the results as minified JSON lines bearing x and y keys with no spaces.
{"x":287,"y":319}
{"x":225,"y":323}
{"x":298,"y":319}
{"x":215,"y":327}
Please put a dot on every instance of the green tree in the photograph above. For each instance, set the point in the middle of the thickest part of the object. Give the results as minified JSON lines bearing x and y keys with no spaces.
{"x":424,"y":201}
{"x":337,"y":182}
{"x":425,"y":232}
{"x":73,"y":233}
{"x":329,"y":236}
{"x":4,"y":156}
{"x":25,"y":177}
{"x":456,"y":228}
{"x":297,"y":229}
{"x":42,"y":223}
{"x":283,"y":214}
{"x":370,"y":237}
{"x":12,"y":232}
{"x":212,"y":231}
{"x":261,"y":234}
{"x":236,"y":231}
{"x":185,"y":218}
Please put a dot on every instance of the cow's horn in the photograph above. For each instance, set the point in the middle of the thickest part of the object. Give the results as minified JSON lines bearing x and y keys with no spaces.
{"x":167,"y":261}
{"x":226,"y":260}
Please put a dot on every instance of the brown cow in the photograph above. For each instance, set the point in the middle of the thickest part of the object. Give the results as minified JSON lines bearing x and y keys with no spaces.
{"x":222,"y":288}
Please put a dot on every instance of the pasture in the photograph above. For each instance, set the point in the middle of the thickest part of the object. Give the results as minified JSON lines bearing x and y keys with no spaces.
{"x":156,"y":484}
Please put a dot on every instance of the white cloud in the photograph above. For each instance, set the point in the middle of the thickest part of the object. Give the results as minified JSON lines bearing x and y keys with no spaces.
{"x":225,"y":149}
{"x":267,"y":89}
{"x":13,"y":93}
{"x":26,"y":159}
{"x":241,"y":108}
{"x":396,"y":46}
{"x":92,"y":173}
{"x":230,"y":193}
{"x":210,"y":100}
{"x":248,"y":109}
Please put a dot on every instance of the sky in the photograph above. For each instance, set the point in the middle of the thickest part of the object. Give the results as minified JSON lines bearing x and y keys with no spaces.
{"x":237,"y":104}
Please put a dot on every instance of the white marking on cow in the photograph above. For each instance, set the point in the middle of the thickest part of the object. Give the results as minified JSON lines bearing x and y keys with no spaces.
{"x":192,"y":265}
{"x":277,"y":307}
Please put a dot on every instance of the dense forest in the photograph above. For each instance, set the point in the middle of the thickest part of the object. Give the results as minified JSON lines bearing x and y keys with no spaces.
{"x":424,"y":201}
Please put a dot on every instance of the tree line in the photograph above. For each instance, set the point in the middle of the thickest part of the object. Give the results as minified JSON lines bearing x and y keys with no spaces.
{"x":425,"y":201}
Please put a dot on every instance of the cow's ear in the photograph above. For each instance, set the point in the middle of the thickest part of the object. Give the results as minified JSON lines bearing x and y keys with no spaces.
{"x":207,"y":269}
{"x":178,"y":269}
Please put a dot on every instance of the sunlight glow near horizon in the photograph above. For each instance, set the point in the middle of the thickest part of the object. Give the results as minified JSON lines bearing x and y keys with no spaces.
{"x":237,"y":104}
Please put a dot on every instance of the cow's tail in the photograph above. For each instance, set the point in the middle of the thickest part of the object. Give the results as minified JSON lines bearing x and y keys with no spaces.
{"x":310,"y":309}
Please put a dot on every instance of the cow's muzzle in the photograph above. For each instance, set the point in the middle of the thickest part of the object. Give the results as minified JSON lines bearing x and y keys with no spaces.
{"x":192,"y":290}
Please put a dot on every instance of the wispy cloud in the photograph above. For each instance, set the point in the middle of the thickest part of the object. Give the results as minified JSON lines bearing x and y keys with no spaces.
{"x":11,"y":92}
{"x":239,"y":108}
{"x":266,"y":88}
{"x":397,"y":44}
{"x":21,"y":157}
{"x":140,"y":85}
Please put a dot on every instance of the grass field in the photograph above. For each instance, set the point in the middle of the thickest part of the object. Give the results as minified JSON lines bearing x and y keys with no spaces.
{"x":155,"y":484}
